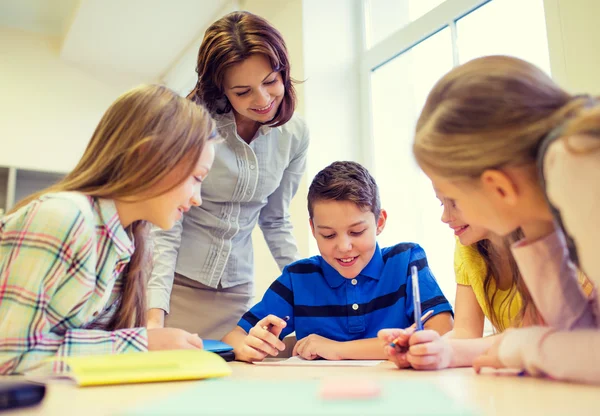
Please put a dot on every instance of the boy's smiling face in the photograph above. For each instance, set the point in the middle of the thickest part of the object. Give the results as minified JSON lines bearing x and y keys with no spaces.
{"x":346,"y":235}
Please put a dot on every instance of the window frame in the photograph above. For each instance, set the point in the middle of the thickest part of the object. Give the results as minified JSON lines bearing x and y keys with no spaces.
{"x":399,"y":42}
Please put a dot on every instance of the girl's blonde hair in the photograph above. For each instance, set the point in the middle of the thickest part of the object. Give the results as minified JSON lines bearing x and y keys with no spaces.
{"x":492,"y":112}
{"x":144,"y":135}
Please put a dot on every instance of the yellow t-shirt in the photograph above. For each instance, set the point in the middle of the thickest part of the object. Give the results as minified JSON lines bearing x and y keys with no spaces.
{"x":470,"y":270}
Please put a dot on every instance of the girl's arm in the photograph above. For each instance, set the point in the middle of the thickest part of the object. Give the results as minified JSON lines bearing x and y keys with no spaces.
{"x":457,"y":348}
{"x":572,"y":187}
{"x":562,"y":355}
{"x":48,"y":262}
{"x":468,"y":318}
{"x":274,"y":218}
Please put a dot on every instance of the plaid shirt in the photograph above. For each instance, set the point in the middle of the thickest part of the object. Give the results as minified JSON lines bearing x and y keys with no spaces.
{"x":61,"y":258}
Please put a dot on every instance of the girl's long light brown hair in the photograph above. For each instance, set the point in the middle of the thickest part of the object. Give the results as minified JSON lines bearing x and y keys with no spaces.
{"x":147,"y":133}
{"x":231,"y":40}
{"x":492,"y":257}
{"x":493,"y":112}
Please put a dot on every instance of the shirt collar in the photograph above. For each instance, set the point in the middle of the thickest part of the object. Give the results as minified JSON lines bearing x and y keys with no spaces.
{"x":373,"y":270}
{"x":375,"y":266}
{"x":114,"y":229}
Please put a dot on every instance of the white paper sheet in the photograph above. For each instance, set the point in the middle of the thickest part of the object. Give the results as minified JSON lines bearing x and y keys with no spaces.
{"x":297,"y":361}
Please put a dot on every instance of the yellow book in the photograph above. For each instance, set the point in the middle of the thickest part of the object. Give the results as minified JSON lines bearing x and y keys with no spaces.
{"x":145,"y":367}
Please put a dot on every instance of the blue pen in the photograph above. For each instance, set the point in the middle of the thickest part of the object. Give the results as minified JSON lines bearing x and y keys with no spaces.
{"x":416,"y":304}
{"x":416,"y":297}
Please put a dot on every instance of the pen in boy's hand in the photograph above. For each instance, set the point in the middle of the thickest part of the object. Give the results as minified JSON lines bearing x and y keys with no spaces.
{"x":416,"y":292}
{"x":268,"y":327}
{"x":394,"y":343}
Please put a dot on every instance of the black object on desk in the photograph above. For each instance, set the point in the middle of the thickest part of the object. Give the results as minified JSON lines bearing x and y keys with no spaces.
{"x":220,"y":348}
{"x":18,"y":393}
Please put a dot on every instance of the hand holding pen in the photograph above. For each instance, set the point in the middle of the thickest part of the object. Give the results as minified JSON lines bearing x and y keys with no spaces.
{"x":263,"y":339}
{"x":416,"y":297}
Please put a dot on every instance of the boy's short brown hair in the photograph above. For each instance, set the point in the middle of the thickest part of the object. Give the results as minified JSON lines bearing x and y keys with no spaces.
{"x":345,"y":181}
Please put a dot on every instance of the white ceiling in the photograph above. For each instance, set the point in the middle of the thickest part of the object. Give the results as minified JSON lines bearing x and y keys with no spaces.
{"x":46,"y":17}
{"x":123,"y":41}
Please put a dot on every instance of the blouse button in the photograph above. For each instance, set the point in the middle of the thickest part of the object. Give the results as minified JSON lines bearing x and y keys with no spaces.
{"x":355,"y":307}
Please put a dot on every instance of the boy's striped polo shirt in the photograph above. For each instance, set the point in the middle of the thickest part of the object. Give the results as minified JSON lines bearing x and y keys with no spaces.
{"x":320,"y":301}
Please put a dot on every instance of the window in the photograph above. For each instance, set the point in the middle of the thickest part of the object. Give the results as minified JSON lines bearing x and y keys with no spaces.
{"x":398,"y":92}
{"x":386,"y":16}
{"x":495,"y":29}
{"x":403,"y":59}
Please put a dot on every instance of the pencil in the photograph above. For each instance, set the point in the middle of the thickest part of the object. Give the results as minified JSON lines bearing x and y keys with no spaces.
{"x":423,"y":319}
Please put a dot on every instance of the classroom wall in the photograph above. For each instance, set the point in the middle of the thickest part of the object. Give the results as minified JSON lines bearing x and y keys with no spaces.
{"x":287,"y":17}
{"x":573,"y":39}
{"x":49,"y":108}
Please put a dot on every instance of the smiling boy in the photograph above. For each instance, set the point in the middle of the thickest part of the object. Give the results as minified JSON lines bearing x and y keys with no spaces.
{"x":338,"y":301}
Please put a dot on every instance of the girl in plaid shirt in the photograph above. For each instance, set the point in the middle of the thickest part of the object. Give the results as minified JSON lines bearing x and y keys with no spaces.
{"x":74,"y":258}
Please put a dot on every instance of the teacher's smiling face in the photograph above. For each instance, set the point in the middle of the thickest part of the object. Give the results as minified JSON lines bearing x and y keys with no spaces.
{"x":254,"y":90}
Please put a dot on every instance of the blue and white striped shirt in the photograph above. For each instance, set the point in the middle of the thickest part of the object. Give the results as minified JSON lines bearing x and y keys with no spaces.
{"x":320,"y":301}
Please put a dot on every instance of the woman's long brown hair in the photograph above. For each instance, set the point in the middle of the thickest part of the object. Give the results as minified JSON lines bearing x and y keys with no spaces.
{"x":144,"y":135}
{"x":231,"y":40}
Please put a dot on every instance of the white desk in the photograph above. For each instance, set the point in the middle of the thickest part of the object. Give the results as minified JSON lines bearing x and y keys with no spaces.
{"x":491,"y":394}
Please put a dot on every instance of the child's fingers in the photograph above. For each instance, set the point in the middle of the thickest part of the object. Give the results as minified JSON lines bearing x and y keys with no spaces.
{"x":400,"y":360}
{"x":423,"y":362}
{"x":297,"y":347}
{"x":271,"y":320}
{"x":430,"y":348}
{"x":390,"y":351}
{"x":486,"y":361}
{"x":251,"y":354}
{"x":388,"y":335}
{"x":195,"y":341}
{"x":261,"y":345}
{"x":424,"y":336}
{"x":267,"y":336}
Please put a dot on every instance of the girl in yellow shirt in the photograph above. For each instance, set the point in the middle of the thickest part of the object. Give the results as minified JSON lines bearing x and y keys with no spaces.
{"x":489,"y":286}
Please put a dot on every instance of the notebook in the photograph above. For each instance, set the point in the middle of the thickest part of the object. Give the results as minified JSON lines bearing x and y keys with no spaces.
{"x":301,"y":397}
{"x":144,"y":367}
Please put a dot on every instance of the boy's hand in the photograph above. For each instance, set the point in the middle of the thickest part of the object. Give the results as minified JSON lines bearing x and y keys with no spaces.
{"x":315,"y":346}
{"x":398,"y":354}
{"x":429,"y":351}
{"x":262,"y":340}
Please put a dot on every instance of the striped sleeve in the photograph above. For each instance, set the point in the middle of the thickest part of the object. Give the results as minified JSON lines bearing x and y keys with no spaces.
{"x":47,"y":274}
{"x":278,"y":300}
{"x":431,"y":295}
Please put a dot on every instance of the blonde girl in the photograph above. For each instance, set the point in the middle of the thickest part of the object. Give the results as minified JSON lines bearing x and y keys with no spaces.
{"x":514,"y":150}
{"x":74,"y":258}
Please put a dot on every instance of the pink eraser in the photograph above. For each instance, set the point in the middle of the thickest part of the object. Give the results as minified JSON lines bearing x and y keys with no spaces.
{"x":349,"y":389}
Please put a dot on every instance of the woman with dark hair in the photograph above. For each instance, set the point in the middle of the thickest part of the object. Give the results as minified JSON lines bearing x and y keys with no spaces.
{"x":203,"y":268}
